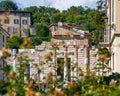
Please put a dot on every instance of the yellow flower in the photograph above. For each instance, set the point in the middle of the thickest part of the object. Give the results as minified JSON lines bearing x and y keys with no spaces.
{"x":37,"y":79}
{"x":49,"y":78}
{"x":57,"y":65}
{"x":27,"y":41}
{"x":102,"y":57}
{"x":7,"y":94}
{"x":13,"y":91}
{"x":47,"y":56}
{"x":11,"y":75}
{"x":30,"y":93}
{"x":75,"y":95}
{"x":28,"y":85}
{"x":51,"y":73}
{"x":5,"y":53}
{"x":58,"y":93}
{"x":38,"y":94}
{"x":71,"y":85}
{"x":112,"y":82}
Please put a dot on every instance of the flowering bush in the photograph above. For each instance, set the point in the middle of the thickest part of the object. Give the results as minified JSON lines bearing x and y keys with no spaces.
{"x":89,"y":84}
{"x":4,"y":53}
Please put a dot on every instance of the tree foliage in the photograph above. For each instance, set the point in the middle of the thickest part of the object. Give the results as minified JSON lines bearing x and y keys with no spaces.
{"x":8,"y":5}
{"x":18,"y":42}
{"x":84,"y":17}
{"x":41,"y":30}
{"x":14,"y":42}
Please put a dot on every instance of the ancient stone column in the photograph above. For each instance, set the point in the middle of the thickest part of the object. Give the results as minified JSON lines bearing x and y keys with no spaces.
{"x":55,"y":61}
{"x":72,"y":65}
{"x":30,"y":69}
{"x":54,"y":57}
{"x":86,"y":59}
{"x":76,"y":63}
{"x":65,"y":66}
{"x":14,"y":60}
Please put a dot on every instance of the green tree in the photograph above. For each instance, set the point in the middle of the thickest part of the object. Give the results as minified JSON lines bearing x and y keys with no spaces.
{"x":14,"y":42}
{"x":33,"y":10}
{"x":42,"y":30}
{"x":101,"y":4}
{"x":8,"y":5}
{"x":35,"y":41}
{"x":84,"y":17}
{"x":42,"y":14}
{"x":56,"y":17}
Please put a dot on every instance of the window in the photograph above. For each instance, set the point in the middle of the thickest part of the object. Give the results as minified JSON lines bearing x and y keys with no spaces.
{"x":8,"y":29}
{"x":15,"y":30}
{"x":16,"y":14}
{"x":112,"y":10}
{"x":6,"y":21}
{"x":24,"y":14}
{"x":16,"y":21}
{"x":24,"y":22}
{"x":28,"y":70}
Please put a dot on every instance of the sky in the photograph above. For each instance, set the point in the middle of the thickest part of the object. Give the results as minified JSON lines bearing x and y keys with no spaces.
{"x":59,"y":4}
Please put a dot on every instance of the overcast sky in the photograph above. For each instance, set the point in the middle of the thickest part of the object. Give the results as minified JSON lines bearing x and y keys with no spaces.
{"x":59,"y":4}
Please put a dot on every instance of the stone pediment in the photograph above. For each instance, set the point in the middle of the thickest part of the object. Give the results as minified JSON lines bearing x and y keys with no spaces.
{"x":63,"y":31}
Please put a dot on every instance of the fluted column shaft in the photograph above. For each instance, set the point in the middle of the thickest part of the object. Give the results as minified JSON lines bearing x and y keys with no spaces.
{"x":86,"y":59}
{"x":14,"y":60}
{"x":54,"y":57}
{"x":65,"y":66}
{"x":76,"y":63}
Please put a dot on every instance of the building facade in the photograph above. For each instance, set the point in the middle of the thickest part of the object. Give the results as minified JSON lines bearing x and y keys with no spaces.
{"x":112,"y":33}
{"x":16,"y":22}
{"x":3,"y":36}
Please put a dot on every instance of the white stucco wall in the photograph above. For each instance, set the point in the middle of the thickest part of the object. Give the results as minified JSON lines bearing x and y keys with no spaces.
{"x":115,"y":61}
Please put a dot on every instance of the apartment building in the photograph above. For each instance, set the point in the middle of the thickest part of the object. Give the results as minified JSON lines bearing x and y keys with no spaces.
{"x":3,"y":35}
{"x":16,"y":22}
{"x":112,"y":33}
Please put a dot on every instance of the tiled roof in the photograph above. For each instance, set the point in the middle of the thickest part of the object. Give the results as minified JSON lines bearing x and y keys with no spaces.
{"x":14,"y":11}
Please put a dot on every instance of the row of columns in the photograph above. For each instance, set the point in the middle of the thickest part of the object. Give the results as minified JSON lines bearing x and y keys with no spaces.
{"x":74,"y":71}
